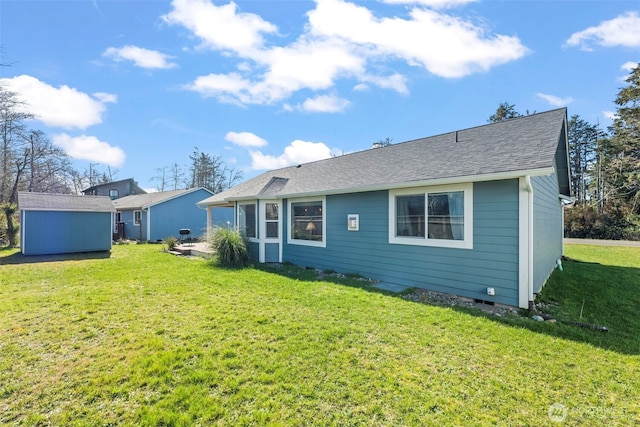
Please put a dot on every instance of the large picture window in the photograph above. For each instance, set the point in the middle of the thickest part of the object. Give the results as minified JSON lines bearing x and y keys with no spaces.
{"x":436,"y":216}
{"x":307,"y":222}
{"x":247,"y":220}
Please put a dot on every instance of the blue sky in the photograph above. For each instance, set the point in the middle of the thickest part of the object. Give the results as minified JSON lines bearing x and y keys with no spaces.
{"x":137,"y":84}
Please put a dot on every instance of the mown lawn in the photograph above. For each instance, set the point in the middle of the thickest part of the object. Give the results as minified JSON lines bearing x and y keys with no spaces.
{"x":145,"y":338}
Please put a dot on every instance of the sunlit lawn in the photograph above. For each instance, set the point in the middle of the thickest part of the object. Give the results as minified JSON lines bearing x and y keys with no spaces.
{"x":146,"y":338}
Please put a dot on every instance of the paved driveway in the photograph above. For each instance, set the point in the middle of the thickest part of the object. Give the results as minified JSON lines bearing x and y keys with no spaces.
{"x":602,"y":242}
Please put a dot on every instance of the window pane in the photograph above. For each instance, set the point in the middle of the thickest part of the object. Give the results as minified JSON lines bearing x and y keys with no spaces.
{"x":271,"y":211}
{"x":272,"y":229}
{"x":306,"y":218}
{"x":410,"y":216}
{"x":247,"y":220}
{"x":446,"y":215}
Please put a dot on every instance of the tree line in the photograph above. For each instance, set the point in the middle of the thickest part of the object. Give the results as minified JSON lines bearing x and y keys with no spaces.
{"x":605,"y":168}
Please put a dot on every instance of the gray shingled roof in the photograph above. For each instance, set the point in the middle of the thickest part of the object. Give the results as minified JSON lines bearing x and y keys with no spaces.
{"x":524,"y":144}
{"x":63,"y":202}
{"x":138,"y":201}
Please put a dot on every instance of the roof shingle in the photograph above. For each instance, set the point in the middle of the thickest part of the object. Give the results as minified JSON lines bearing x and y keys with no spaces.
{"x":522,"y":144}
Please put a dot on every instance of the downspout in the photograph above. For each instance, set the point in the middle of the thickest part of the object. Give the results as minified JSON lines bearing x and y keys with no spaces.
{"x":527,"y":180}
{"x":525,"y":245}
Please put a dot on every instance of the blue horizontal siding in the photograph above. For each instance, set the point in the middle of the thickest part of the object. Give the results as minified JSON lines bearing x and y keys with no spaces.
{"x":547,"y":228}
{"x":57,"y":232}
{"x":493,"y":261}
{"x":167,"y":218}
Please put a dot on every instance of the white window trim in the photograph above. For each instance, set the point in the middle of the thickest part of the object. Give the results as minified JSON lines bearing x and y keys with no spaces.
{"x":257,"y":226}
{"x":138,"y":223}
{"x":290,"y":240}
{"x":466,"y":243}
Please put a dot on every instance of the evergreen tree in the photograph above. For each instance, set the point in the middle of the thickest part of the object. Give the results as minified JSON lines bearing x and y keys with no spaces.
{"x":582,"y":156}
{"x":622,"y":151}
{"x":504,"y":112}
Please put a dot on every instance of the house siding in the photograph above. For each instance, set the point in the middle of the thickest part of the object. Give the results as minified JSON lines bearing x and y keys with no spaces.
{"x":57,"y":232}
{"x":132,"y":231}
{"x":167,"y":218}
{"x":547,"y":228}
{"x":493,"y":261}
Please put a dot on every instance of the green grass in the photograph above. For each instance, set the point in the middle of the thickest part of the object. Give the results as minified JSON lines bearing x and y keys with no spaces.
{"x":146,"y":338}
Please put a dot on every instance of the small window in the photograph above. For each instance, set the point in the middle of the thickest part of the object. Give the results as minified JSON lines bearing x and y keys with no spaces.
{"x":271,"y":220}
{"x":113,"y":194}
{"x":247,"y":220}
{"x":137,"y":217}
{"x":307,"y":222}
{"x":435,"y":216}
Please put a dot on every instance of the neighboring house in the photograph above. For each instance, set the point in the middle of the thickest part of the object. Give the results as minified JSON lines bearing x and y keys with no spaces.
{"x":156,"y":216}
{"x":115,"y":190}
{"x":476,"y":212}
{"x":64,"y":223}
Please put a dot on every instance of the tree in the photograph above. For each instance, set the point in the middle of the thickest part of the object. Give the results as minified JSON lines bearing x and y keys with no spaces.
{"x":211,"y":172}
{"x":583,"y":138}
{"x":622,"y":166}
{"x":382,"y":143}
{"x":504,"y":112}
{"x":169,"y":177}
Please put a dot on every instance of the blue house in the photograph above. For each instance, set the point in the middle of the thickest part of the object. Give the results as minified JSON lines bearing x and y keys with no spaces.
{"x":156,"y":216}
{"x":64,"y":223}
{"x":475,"y":212}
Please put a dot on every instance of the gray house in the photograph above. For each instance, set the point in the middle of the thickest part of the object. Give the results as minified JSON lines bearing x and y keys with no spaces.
{"x":115,"y":189}
{"x":156,"y":216}
{"x":64,"y":223}
{"x":475,"y":212}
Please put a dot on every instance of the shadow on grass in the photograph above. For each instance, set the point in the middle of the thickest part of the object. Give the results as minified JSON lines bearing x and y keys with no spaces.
{"x":588,"y":293}
{"x":19,"y":258}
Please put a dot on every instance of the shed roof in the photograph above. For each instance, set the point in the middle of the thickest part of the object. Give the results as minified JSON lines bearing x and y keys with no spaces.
{"x":522,"y":146}
{"x":63,"y":202}
{"x":139,"y":201}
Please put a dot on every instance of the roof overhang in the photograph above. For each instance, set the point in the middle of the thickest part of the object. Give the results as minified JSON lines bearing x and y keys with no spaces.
{"x":382,"y":186}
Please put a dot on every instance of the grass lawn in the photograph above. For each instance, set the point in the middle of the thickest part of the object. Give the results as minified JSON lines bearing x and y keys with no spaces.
{"x":145,"y":338}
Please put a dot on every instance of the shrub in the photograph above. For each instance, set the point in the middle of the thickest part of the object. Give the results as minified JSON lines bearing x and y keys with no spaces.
{"x":171,"y":243}
{"x":583,"y":221}
{"x":230,"y":248}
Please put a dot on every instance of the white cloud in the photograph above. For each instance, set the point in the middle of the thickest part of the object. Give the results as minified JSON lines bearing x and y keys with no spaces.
{"x":90,"y":148}
{"x":220,"y":27}
{"x":623,"y":30}
{"x":324,"y":104}
{"x":141,"y":57}
{"x":341,"y":40}
{"x":555,"y":100}
{"x":628,"y":66}
{"x":445,"y":45}
{"x":296,"y":153}
{"x":611,"y":115}
{"x":436,"y":4}
{"x":63,"y":106}
{"x":245,"y":139}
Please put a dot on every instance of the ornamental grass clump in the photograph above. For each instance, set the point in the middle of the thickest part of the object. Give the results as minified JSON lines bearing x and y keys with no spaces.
{"x":230,"y":248}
